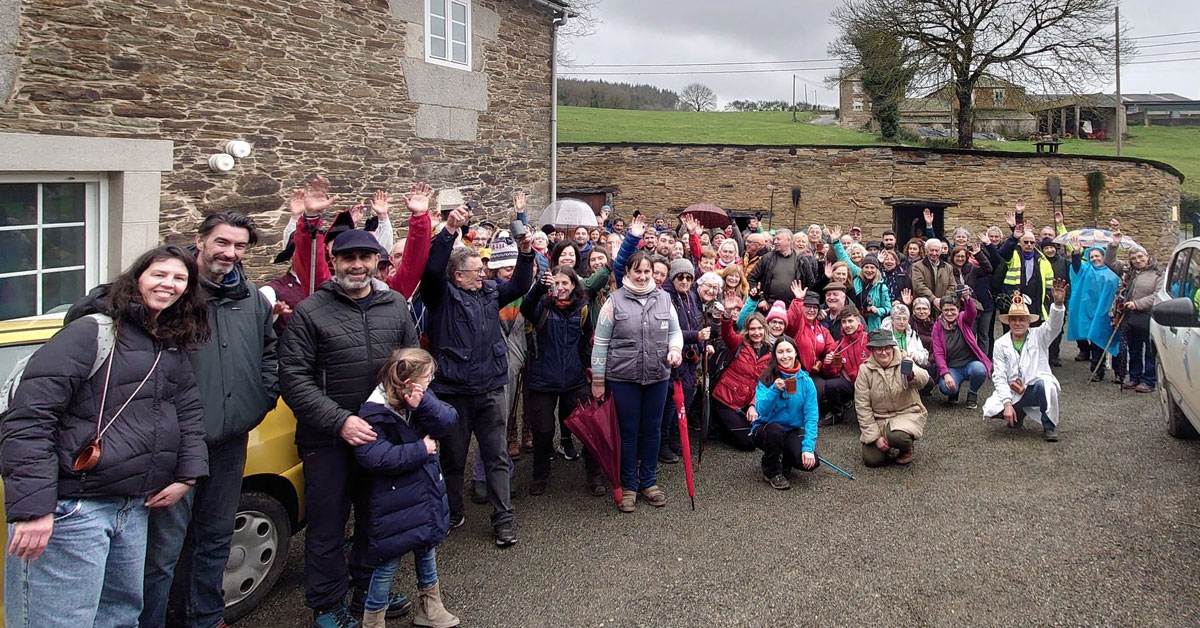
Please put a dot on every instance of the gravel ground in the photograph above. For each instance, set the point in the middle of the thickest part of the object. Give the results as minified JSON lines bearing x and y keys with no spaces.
{"x":988,"y":527}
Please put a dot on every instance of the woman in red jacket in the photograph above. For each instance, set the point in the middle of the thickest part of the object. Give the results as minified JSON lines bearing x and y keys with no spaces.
{"x":733,"y":397}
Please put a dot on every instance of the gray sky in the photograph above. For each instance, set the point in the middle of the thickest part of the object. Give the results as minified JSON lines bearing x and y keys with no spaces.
{"x":702,"y":31}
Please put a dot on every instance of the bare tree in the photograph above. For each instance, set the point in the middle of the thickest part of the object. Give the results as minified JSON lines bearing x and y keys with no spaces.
{"x":582,"y":22}
{"x":1053,"y":45}
{"x":698,"y":97}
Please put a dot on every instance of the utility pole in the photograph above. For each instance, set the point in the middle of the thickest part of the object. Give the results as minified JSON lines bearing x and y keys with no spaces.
{"x":1120,"y":109}
{"x":793,"y":98}
{"x":805,"y":101}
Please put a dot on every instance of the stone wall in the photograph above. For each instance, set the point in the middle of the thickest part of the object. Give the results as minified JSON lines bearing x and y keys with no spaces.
{"x":843,"y":184}
{"x":317,"y":86}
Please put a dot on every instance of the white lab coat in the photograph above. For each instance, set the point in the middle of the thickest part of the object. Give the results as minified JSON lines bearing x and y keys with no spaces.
{"x":1031,"y":364}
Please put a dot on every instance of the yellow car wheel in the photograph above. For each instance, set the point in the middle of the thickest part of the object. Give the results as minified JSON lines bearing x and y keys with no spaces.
{"x":257,"y":552}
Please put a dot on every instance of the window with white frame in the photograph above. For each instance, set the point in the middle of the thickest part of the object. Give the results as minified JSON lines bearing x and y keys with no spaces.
{"x":448,"y":33}
{"x":998,"y":97}
{"x":858,"y":105}
{"x":49,"y":233}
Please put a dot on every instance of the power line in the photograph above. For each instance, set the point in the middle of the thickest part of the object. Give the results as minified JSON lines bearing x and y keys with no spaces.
{"x":787,"y":70}
{"x":1166,"y":35}
{"x":685,"y":65}
{"x":1177,"y":52}
{"x":1162,"y":61}
{"x":1174,"y":43}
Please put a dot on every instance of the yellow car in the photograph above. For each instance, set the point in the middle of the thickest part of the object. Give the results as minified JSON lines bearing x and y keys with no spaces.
{"x":272,"y":503}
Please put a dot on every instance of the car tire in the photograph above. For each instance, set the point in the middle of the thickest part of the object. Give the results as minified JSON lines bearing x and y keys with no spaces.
{"x":257,"y":553}
{"x":1177,"y":424}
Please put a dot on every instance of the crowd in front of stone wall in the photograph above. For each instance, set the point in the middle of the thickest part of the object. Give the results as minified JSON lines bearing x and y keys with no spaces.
{"x":124,"y":443}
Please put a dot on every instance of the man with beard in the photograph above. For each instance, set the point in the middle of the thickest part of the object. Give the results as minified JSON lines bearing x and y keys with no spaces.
{"x":889,"y":240}
{"x":237,"y":376}
{"x":335,"y":344}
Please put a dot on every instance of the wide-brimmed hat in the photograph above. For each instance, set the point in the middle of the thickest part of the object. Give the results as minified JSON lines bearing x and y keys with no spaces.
{"x":1019,"y":307}
{"x":880,"y":338}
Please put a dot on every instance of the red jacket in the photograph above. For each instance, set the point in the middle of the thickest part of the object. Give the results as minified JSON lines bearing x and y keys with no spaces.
{"x":854,"y":352}
{"x":814,"y":341}
{"x":738,"y":382}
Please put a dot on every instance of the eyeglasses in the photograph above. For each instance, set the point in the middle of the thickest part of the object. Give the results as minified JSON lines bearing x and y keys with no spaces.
{"x":684,"y":278}
{"x":477,"y":271}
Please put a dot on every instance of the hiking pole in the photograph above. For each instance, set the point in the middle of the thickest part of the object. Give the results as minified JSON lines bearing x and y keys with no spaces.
{"x":834,"y":467}
{"x":1116,"y":328}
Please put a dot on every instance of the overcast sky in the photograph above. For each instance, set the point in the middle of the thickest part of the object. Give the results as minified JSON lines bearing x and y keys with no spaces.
{"x":704,"y":31}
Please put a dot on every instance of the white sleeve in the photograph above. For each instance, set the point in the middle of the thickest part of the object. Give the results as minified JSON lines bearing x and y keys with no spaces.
{"x":383,"y":233}
{"x":287,"y":233}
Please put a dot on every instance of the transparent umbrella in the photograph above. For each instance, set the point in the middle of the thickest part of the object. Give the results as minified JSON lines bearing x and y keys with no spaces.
{"x":1096,"y":237}
{"x":569,"y":212}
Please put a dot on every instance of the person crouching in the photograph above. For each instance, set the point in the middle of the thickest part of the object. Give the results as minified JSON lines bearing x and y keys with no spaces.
{"x":786,"y":427}
{"x":406,"y":502}
{"x":888,"y":400}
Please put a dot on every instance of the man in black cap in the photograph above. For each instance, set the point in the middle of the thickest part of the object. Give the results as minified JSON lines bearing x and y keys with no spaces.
{"x":337,"y":341}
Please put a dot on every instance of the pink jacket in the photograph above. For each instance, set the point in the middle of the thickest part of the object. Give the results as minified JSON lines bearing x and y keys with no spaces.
{"x":966,"y":322}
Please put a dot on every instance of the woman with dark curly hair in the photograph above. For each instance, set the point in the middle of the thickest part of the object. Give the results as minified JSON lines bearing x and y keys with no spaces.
{"x":105,"y":424}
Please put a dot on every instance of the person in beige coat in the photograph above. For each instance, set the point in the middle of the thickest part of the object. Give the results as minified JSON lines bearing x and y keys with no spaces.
{"x":888,"y":400}
{"x":932,"y":277}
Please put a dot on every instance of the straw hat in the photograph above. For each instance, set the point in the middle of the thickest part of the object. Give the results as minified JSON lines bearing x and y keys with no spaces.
{"x":1019,"y":307}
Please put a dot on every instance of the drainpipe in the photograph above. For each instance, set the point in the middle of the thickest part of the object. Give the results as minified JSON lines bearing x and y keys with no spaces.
{"x":560,"y":18}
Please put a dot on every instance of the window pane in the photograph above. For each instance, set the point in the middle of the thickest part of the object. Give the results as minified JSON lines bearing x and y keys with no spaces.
{"x":437,"y":47}
{"x":437,"y":27}
{"x":20,"y":250}
{"x":18,"y":296}
{"x":460,"y":53}
{"x":458,"y":33}
{"x":437,"y":7}
{"x":59,"y":289}
{"x":458,"y":12}
{"x":63,"y":202}
{"x":1178,"y":274}
{"x":18,"y":204}
{"x":63,"y":246}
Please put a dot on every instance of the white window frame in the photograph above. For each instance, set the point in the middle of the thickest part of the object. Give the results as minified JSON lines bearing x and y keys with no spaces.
{"x":429,"y":35}
{"x":857,"y":105}
{"x":95,"y":224}
{"x":998,"y":96}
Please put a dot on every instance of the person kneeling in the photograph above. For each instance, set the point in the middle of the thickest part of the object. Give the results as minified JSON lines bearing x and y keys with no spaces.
{"x":887,"y":396}
{"x":1021,"y":375}
{"x":786,"y":427}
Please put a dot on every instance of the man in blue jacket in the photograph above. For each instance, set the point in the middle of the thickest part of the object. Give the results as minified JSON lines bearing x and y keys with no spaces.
{"x":467,"y":341}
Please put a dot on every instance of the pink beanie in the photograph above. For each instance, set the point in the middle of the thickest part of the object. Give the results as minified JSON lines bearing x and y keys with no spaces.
{"x":777,"y":311}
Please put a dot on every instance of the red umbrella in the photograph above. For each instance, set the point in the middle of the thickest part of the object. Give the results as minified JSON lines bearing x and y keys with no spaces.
{"x":685,"y":442}
{"x":596,"y":425}
{"x":710,"y":216}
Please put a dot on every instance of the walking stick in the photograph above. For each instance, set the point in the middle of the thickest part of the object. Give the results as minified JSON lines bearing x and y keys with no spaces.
{"x":1118,"y":318}
{"x":834,"y":467}
{"x":312,"y":261}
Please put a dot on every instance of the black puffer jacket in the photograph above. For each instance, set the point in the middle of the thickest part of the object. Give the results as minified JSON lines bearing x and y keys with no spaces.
{"x":331,"y":353}
{"x":157,"y":439}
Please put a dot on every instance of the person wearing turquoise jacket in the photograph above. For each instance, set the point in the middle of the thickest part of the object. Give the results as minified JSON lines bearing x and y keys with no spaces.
{"x":1093,"y":289}
{"x":870,"y":293}
{"x":786,"y":427}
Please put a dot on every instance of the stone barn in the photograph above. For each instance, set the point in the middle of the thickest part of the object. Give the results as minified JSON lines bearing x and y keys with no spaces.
{"x":111,"y":109}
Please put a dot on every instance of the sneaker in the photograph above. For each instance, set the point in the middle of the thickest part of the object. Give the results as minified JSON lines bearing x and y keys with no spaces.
{"x":1055,"y":362}
{"x":479,"y":492}
{"x":537,"y":487}
{"x":827,"y":419}
{"x":666,"y":456}
{"x":1117,"y":379}
{"x":457,"y":521}
{"x":952,"y":399}
{"x":398,"y":605}
{"x":654,"y":496}
{"x":1051,"y":434}
{"x":506,"y":535}
{"x":778,"y":482}
{"x":1143,"y":387}
{"x":569,"y":450}
{"x":1098,"y":377}
{"x":972,"y":400}
{"x":338,"y":617}
{"x":905,"y":457}
{"x":628,"y":501}
{"x":1083,"y":357}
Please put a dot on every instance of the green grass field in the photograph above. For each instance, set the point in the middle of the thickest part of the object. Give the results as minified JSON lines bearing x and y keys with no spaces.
{"x":1177,"y":146}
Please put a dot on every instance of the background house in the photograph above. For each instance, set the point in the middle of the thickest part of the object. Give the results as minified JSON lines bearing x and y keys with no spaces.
{"x":110,"y":109}
{"x":1094,"y":115}
{"x":1000,"y":107}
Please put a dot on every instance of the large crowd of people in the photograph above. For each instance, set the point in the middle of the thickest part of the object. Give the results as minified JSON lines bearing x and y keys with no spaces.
{"x":124,"y":445}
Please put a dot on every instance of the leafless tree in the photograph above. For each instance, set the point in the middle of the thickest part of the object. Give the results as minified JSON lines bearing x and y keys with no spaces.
{"x":1049,"y":45}
{"x":698,"y":97}
{"x":582,"y":22}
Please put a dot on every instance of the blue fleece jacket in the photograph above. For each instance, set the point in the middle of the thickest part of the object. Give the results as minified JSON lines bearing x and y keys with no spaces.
{"x":792,"y":411}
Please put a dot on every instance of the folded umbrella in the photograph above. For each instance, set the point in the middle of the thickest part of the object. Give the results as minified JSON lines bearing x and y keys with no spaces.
{"x":709,"y":215}
{"x":595,"y":424}
{"x":685,"y":442}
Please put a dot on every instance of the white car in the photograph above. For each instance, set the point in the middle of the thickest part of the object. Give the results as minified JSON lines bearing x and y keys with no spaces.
{"x":1175,"y":329}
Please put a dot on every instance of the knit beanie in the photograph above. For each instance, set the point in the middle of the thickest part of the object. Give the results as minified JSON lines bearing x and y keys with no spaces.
{"x":871,"y":259}
{"x":777,"y":311}
{"x":504,"y":253}
{"x":679,"y":267}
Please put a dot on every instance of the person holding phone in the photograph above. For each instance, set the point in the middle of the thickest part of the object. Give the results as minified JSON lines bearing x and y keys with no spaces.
{"x":785,"y":400}
{"x":887,"y":399}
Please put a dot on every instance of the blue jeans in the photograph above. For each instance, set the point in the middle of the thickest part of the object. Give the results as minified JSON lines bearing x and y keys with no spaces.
{"x":1141,"y":356}
{"x":425,"y":561}
{"x":1034,"y":397}
{"x":90,"y":573}
{"x":973,"y":371}
{"x":195,"y":532}
{"x":639,"y":417}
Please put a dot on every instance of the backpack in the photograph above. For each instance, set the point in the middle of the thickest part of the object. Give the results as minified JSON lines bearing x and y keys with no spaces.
{"x":105,"y":339}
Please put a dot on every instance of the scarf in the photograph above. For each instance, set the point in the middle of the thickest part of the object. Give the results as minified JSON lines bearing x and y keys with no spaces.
{"x":792,"y":371}
{"x":632,"y":288}
{"x":562,"y":304}
{"x":1027,"y":263}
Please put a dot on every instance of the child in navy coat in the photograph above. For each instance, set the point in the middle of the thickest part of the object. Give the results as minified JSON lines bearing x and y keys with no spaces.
{"x":406,"y":504}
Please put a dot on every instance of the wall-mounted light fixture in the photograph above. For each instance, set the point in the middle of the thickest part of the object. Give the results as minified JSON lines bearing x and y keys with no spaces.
{"x":220,"y":162}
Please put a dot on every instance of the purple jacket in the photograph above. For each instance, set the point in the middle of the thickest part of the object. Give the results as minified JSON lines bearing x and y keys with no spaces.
{"x":966,"y":322}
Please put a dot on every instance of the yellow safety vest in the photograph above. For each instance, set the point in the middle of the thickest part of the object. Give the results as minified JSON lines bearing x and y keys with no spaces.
{"x":1013,"y":277}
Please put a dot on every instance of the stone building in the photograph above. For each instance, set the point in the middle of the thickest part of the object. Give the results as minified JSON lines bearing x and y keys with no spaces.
{"x":999,"y":107}
{"x":110,"y":110}
{"x":876,"y":187}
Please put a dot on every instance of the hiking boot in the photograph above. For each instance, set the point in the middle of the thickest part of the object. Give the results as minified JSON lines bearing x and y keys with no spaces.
{"x":628,"y":501}
{"x":506,"y":535}
{"x":569,"y":450}
{"x":537,"y":487}
{"x":654,"y":496}
{"x":1118,"y":379}
{"x":1055,"y":362}
{"x":479,"y":492}
{"x":514,"y":451}
{"x":905,"y":456}
{"x":1128,"y":385}
{"x":1051,"y":434}
{"x":595,"y":486}
{"x":398,"y":605}
{"x":1083,"y":357}
{"x":827,"y":419}
{"x":953,"y":398}
{"x":666,"y":456}
{"x":778,"y":482}
{"x":1097,"y":377}
{"x":457,"y":521}
{"x":430,"y":612}
{"x":527,"y":445}
{"x":337,"y":617}
{"x":374,"y":619}
{"x":1143,"y":387}
{"x":972,"y":400}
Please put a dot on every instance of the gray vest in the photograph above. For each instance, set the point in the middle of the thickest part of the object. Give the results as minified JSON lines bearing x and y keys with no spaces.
{"x":637,"y":351}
